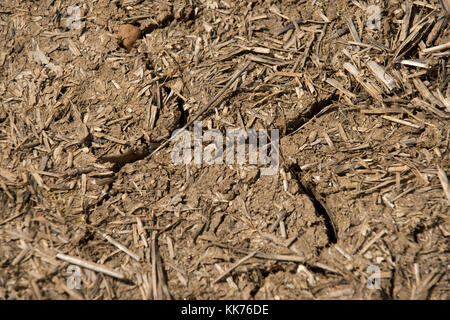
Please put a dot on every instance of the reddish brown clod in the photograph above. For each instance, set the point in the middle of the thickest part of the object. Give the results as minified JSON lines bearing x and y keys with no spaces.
{"x":129,"y":34}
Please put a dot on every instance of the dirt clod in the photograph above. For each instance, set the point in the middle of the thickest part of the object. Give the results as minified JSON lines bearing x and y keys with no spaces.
{"x":129,"y":34}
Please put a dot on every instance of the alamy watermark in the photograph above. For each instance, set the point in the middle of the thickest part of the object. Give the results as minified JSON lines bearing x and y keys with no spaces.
{"x":261,"y":152}
{"x":374,"y":18}
{"x":374,"y":280}
{"x":74,"y":280}
{"x":74,"y":18}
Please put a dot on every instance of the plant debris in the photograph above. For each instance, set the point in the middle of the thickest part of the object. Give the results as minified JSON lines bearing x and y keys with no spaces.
{"x":93,"y":207}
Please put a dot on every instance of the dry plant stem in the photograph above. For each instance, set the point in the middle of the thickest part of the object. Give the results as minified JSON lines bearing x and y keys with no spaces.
{"x":119,"y":245}
{"x":237,"y":264}
{"x":444,"y":182}
{"x":91,"y":265}
{"x":260,"y":255}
